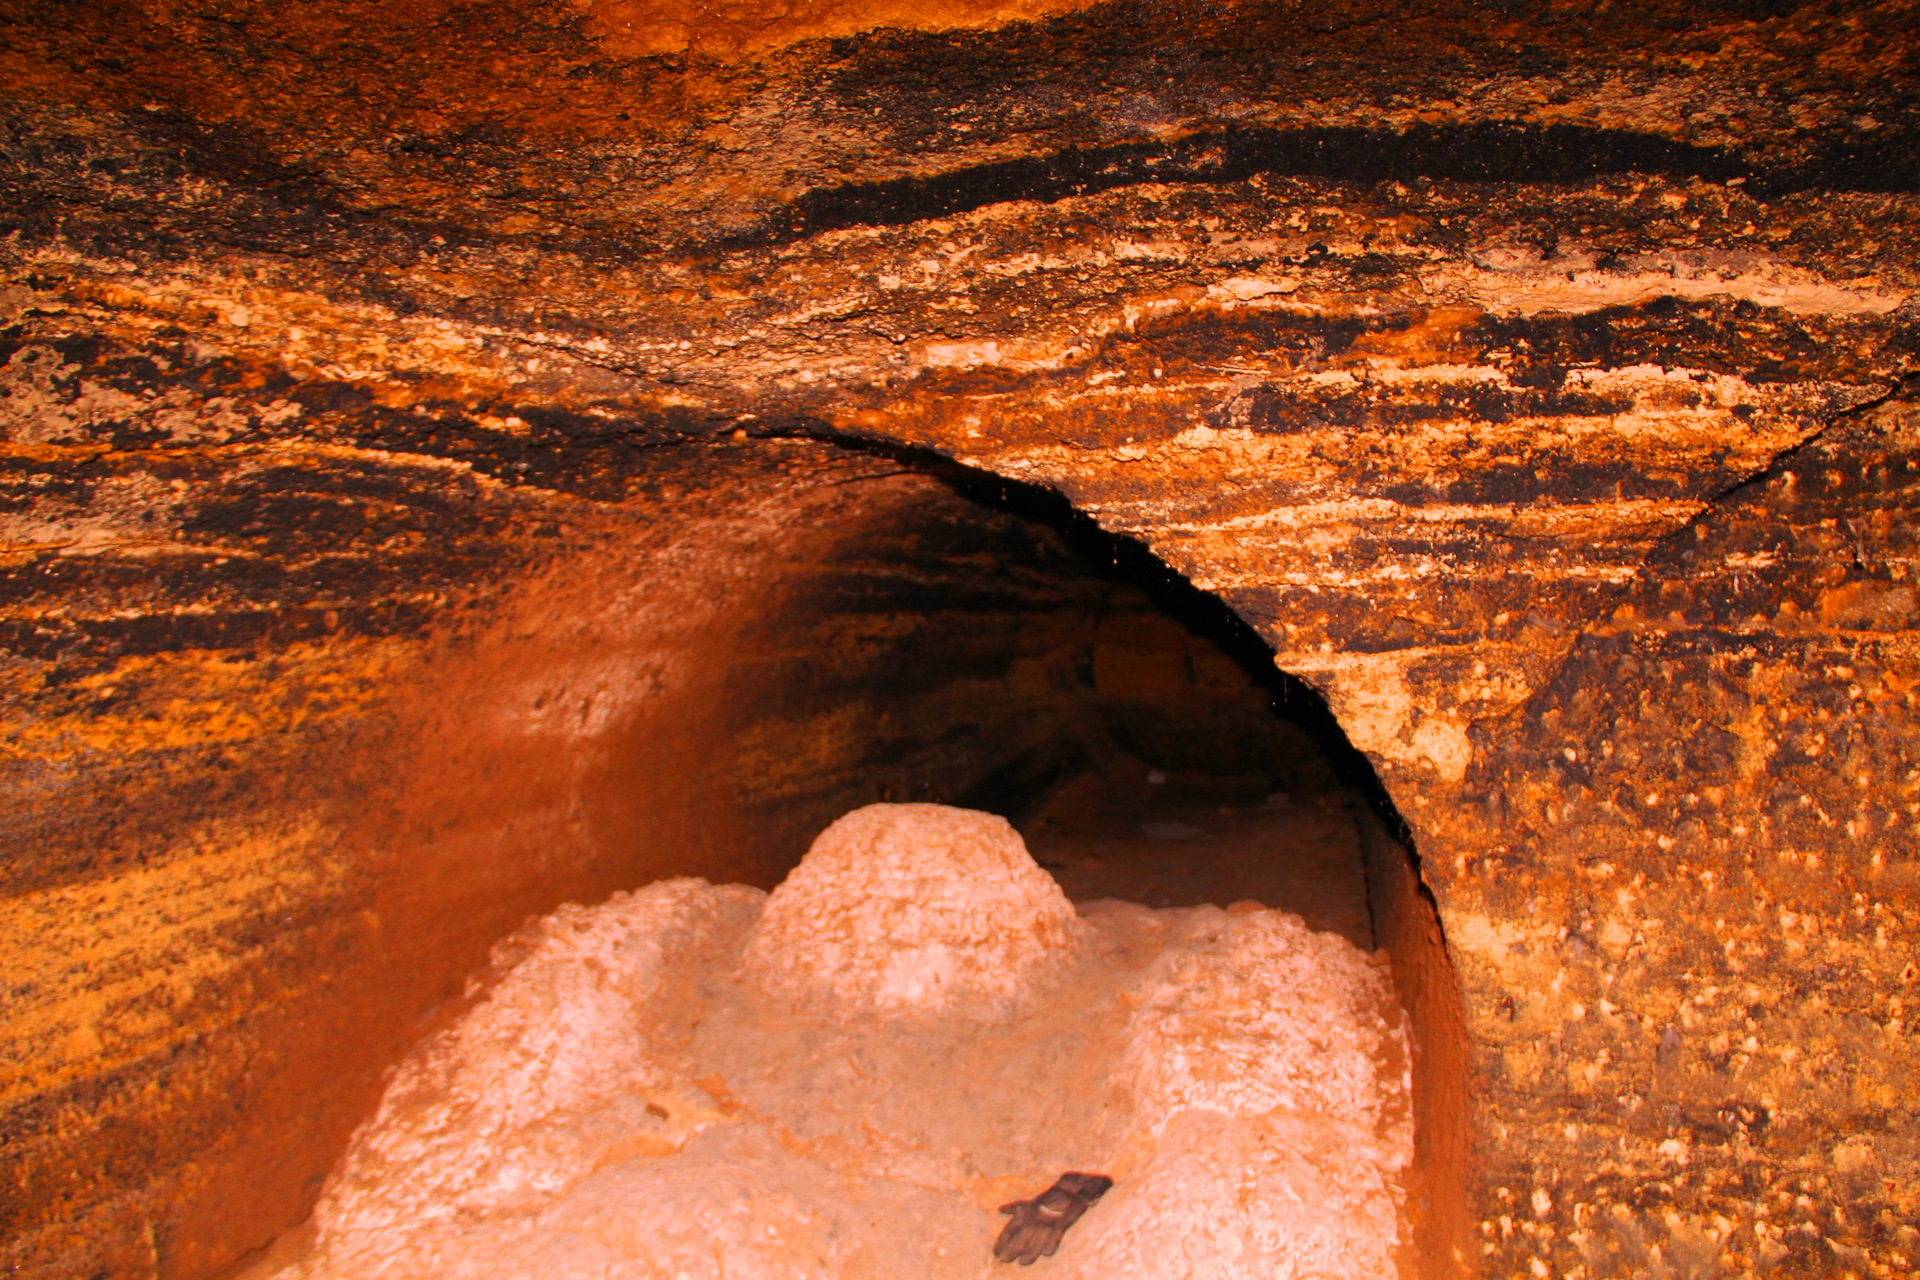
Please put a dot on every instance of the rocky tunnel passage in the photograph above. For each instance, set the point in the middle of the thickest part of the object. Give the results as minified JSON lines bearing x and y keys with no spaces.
{"x":690,"y":681}
{"x":401,"y":395}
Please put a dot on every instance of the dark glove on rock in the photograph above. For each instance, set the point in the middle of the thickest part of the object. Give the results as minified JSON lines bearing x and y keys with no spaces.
{"x":1038,"y":1224}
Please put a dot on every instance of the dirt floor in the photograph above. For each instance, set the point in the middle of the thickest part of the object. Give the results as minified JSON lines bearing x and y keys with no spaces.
{"x":1178,"y":840}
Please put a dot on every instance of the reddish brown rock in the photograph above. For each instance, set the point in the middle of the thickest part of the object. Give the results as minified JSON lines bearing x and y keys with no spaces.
{"x":427,"y":501}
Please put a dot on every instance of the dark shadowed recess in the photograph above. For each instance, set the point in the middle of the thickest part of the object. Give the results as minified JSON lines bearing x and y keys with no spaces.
{"x":1121,"y":559}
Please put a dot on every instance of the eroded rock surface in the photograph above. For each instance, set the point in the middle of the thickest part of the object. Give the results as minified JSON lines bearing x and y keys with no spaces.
{"x":871,"y":920}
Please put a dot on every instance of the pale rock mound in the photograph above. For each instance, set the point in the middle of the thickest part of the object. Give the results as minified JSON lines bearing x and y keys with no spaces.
{"x":917,"y":1028}
{"x":913,"y":907}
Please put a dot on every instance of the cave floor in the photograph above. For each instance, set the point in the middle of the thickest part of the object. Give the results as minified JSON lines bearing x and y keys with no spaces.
{"x":1193,"y":839}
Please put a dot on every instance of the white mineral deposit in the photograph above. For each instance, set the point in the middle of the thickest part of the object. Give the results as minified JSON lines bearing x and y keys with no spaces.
{"x":847,"y":1077}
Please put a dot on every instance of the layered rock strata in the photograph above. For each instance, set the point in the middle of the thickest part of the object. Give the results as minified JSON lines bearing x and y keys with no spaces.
{"x":1536,"y":379}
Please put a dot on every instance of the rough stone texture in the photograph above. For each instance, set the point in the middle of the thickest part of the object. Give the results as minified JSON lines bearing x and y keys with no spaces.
{"x":873,"y":920}
{"x":1536,"y":378}
{"x":640,"y":1094}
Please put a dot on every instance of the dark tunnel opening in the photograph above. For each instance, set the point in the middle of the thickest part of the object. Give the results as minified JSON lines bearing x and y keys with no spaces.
{"x":1124,"y":560}
{"x":1169,"y":710}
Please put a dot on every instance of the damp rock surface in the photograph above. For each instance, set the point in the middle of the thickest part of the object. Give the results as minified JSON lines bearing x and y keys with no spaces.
{"x":634,"y":1097}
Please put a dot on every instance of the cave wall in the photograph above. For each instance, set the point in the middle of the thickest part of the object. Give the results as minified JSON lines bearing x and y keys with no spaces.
{"x":1535,"y":377}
